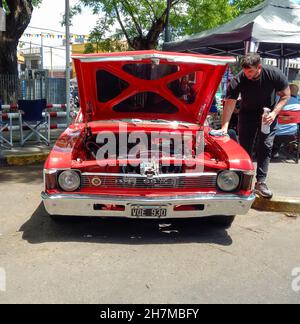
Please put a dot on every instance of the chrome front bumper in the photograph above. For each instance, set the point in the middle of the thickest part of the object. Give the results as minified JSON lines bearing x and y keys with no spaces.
{"x":84,"y":205}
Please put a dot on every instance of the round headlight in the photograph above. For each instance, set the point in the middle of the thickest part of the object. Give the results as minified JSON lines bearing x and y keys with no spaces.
{"x":69,"y":180}
{"x":228,"y":181}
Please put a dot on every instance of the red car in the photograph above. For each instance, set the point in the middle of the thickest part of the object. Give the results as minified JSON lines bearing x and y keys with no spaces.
{"x":139,"y":147}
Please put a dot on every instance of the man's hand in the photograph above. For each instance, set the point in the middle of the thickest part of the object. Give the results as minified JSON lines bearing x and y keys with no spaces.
{"x":269,"y":120}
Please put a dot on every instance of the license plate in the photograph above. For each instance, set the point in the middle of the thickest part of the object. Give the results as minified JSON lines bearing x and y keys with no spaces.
{"x":156,"y":212}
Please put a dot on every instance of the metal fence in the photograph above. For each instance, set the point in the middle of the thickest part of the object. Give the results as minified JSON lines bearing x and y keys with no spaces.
{"x":13,"y":88}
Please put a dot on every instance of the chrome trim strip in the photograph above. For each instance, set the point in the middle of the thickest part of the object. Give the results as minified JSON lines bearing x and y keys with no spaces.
{"x":51,"y":171}
{"x":136,"y":175}
{"x":83,"y":205}
{"x":171,"y":181}
{"x":170,"y":58}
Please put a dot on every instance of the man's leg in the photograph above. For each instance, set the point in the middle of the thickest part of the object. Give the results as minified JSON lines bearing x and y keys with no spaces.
{"x":247,"y":134}
{"x":264,"y":154}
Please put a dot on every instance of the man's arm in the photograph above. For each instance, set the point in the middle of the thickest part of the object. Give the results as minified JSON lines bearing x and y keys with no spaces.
{"x":285,"y":96}
{"x":228,"y":109}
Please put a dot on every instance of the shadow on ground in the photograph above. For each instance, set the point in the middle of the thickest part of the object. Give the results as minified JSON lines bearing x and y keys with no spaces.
{"x":22,"y":174}
{"x":40,"y":228}
{"x":283,"y":160}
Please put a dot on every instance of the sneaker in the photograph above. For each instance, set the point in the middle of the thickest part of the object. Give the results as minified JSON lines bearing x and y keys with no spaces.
{"x":262,"y":190}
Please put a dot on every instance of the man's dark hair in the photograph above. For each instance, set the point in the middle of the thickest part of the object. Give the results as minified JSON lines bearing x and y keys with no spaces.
{"x":250,"y":60}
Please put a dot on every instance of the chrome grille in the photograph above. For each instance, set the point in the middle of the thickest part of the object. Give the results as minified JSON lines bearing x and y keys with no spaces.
{"x":141,"y":182}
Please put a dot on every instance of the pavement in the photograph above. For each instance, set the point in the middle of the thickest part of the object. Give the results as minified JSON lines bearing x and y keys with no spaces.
{"x":117,"y":261}
{"x":283,"y":179}
{"x":31,"y":153}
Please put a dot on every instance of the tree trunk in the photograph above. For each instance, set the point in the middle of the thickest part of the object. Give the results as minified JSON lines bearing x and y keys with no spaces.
{"x":8,"y":71}
{"x":16,"y":23}
{"x":8,"y":56}
{"x":150,"y":41}
{"x":143,"y":44}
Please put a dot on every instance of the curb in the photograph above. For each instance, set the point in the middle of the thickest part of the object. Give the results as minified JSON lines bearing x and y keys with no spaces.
{"x":278,"y":204}
{"x":24,"y":159}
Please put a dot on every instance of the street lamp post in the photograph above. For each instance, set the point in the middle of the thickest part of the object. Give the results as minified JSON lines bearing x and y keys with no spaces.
{"x":67,"y":16}
{"x":167,"y":29}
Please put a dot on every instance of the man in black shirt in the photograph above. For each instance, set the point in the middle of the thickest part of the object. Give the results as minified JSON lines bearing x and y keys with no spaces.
{"x":258,"y":86}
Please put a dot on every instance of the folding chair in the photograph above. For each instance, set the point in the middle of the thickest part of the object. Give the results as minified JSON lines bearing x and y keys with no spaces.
{"x":3,"y":126}
{"x":34,"y":119}
{"x":292,"y":117}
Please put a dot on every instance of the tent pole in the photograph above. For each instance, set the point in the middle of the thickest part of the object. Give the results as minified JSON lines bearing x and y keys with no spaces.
{"x":247,"y":47}
{"x":288,"y":68}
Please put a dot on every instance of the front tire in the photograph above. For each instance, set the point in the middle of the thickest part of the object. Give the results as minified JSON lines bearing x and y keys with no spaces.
{"x":222,"y":221}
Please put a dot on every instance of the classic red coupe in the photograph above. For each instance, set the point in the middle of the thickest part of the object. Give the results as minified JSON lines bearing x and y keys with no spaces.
{"x":140,"y":147}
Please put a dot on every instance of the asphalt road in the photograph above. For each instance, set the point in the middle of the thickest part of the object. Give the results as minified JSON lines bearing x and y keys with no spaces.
{"x":119,"y":261}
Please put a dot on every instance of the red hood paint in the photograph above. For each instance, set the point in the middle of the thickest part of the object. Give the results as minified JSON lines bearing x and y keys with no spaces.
{"x":209,"y":71}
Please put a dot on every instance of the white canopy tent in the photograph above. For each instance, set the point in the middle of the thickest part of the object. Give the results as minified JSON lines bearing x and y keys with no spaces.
{"x":272,"y":29}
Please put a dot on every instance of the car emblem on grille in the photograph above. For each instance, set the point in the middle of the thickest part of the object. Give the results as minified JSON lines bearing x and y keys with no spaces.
{"x":96,"y":182}
{"x":149,"y":168}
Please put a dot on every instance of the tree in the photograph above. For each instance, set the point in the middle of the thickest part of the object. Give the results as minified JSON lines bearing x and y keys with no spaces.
{"x":98,"y":33}
{"x":202,"y":15}
{"x":142,"y":22}
{"x":18,"y":15}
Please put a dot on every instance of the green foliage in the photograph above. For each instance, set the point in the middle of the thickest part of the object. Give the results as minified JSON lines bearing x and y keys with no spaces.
{"x":99,"y":40}
{"x":89,"y":48}
{"x":200,"y":15}
{"x":36,"y":3}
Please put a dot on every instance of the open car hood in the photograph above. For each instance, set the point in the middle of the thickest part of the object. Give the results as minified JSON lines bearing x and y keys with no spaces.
{"x":148,"y":85}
